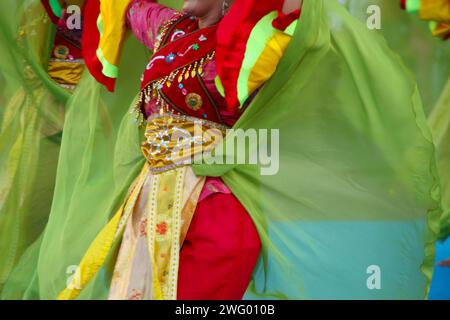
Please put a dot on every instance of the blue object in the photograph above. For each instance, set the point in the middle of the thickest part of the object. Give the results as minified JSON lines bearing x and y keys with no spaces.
{"x":171,"y":57}
{"x":440,"y":284}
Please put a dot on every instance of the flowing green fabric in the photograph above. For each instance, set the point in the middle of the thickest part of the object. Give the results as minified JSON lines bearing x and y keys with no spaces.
{"x":357,"y":188}
{"x":96,"y":166}
{"x":429,"y":59}
{"x":439,"y":121}
{"x":426,"y":56}
{"x":31,"y":119}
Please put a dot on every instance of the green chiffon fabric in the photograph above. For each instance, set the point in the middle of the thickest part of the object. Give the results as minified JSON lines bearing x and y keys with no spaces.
{"x":31,"y":120}
{"x":439,"y":121}
{"x":357,"y":188}
{"x":88,"y":161}
{"x":427,"y":57}
{"x":429,"y":60}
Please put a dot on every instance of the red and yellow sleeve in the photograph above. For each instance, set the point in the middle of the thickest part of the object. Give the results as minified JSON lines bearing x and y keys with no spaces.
{"x":252,"y":39}
{"x":104,"y":32}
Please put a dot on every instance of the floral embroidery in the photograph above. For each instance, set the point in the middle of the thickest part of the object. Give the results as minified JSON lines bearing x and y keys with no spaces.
{"x":143,"y":227}
{"x":161,"y":228}
{"x":135,"y":295}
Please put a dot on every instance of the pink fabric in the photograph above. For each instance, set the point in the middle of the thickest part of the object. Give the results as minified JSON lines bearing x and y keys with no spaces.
{"x":145,"y":17}
{"x":220,"y":251}
{"x":213,"y":185}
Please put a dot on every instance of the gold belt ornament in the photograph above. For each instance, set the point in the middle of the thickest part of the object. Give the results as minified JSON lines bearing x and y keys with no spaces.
{"x":175,"y":140}
{"x":66,"y":72}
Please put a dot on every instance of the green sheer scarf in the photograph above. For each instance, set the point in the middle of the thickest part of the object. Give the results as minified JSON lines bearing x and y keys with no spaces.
{"x":356,"y":194}
{"x":439,"y":121}
{"x":31,"y":119}
{"x":429,"y":60}
{"x":426,"y":56}
{"x":91,"y":171}
{"x":357,"y":189}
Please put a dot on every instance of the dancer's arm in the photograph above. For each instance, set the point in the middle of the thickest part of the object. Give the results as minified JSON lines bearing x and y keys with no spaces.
{"x":145,"y":18}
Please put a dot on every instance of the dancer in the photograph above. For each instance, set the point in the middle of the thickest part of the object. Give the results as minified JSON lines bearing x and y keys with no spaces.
{"x":347,"y":208}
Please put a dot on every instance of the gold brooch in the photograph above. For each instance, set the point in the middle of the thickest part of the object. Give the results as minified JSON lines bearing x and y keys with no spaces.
{"x":194,"y":101}
{"x":61,"y":52}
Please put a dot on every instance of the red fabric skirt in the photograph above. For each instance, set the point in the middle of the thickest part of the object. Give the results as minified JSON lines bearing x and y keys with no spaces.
{"x":220,"y":251}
